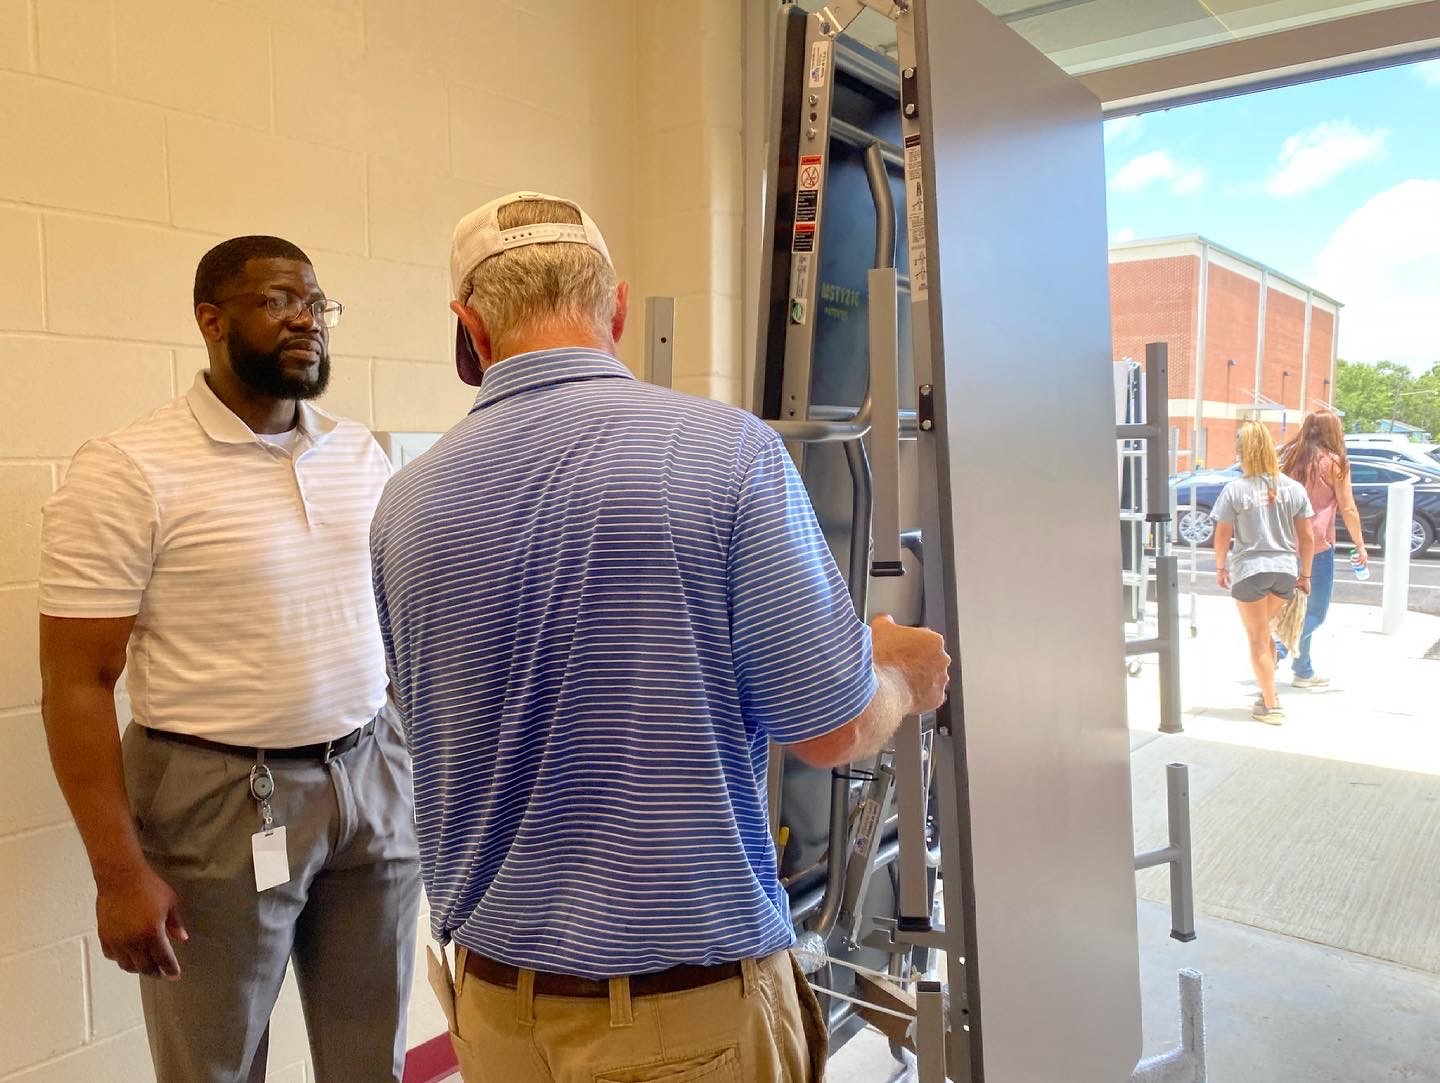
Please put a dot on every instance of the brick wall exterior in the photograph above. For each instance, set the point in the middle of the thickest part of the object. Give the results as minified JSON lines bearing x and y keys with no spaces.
{"x":1156,"y":300}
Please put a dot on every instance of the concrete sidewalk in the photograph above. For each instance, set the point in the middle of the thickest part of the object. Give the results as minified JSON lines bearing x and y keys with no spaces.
{"x":1379,"y":709}
{"x":1317,"y":849}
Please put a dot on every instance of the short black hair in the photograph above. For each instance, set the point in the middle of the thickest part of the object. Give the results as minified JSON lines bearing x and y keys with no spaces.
{"x":226,"y":262}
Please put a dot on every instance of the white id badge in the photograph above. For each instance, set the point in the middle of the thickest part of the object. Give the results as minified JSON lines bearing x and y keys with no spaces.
{"x":272,"y":863}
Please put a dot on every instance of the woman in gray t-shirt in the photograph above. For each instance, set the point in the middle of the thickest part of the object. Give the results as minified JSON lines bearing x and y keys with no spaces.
{"x":1267,"y":515}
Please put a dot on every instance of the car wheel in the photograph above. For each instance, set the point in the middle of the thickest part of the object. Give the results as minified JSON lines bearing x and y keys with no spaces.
{"x":1196,"y":527}
{"x":1422,"y":536}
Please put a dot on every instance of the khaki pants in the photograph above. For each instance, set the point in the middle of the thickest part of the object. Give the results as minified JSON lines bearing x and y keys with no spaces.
{"x":762,"y":1027}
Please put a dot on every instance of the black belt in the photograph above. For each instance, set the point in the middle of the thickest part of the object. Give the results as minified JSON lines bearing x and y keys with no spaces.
{"x":323,"y":752}
{"x":678,"y":979}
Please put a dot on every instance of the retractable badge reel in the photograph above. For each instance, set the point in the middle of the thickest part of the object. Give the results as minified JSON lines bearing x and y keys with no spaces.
{"x":267,"y":846}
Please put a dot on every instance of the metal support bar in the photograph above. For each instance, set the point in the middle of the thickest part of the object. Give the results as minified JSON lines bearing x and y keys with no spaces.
{"x":1155,"y":432}
{"x":1157,"y":418}
{"x":930,"y":1032}
{"x":911,"y":799}
{"x":885,"y":420}
{"x":829,"y":909}
{"x":862,"y":510}
{"x":1136,"y":432}
{"x":884,"y":391}
{"x":1178,"y":854}
{"x":659,"y":340}
{"x":1185,"y":1063}
{"x":1167,"y":604}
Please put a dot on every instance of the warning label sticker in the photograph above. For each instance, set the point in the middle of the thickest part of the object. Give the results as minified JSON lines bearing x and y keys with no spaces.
{"x":806,"y":204}
{"x":915,"y":220}
{"x":804,"y":237}
{"x":800,"y":276}
{"x":811,"y":169}
{"x":819,"y":63}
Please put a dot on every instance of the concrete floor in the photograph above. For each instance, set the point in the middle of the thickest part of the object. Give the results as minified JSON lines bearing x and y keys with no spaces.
{"x":1280,"y":1010}
{"x":1277,"y":1010}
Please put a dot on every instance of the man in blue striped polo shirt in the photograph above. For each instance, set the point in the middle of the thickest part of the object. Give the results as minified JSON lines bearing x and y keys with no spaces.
{"x":600,"y":600}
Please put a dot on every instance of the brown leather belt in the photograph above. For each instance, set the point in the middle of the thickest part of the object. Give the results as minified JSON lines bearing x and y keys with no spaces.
{"x":677,"y":979}
{"x":324,"y":751}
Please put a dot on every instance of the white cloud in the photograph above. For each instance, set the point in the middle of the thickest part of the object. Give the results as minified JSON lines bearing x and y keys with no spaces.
{"x":1316,"y":156}
{"x":1124,"y":130}
{"x":1384,"y":264}
{"x":1428,"y":71}
{"x":1120,"y":236}
{"x":1159,"y":165}
{"x":1140,"y":171}
{"x":1189,"y":182}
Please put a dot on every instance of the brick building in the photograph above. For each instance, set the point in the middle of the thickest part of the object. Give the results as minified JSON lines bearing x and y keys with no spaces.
{"x":1245,"y":340}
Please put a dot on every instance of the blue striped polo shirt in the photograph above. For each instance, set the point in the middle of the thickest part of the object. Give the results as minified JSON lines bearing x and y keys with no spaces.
{"x":599,"y":600}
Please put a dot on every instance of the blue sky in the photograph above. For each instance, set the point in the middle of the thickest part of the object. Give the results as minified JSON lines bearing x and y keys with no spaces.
{"x":1335,"y":183}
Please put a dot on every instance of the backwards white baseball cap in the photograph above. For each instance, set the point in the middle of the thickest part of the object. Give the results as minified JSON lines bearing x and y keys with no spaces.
{"x":478,"y":236}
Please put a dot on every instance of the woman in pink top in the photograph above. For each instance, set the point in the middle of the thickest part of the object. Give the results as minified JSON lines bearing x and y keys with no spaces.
{"x":1316,"y":458}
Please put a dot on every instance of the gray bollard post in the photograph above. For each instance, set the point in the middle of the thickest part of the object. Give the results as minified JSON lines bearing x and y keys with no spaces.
{"x":1167,"y":609}
{"x":1177,"y":854}
{"x":1395,"y":591}
{"x":1182,"y":874}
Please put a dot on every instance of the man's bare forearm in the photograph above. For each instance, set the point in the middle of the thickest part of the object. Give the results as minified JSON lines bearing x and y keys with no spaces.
{"x":83,"y":734}
{"x":882,"y":717}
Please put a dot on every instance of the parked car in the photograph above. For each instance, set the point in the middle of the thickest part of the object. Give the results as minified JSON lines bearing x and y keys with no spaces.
{"x":1193,"y":522}
{"x":1418,"y":456}
{"x":1369,"y":480}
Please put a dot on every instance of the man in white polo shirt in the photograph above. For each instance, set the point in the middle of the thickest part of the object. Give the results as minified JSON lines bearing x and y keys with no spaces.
{"x":258,"y":811}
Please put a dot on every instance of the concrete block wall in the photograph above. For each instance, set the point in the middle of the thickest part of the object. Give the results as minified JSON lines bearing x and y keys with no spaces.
{"x":140,"y":132}
{"x":689,"y":197}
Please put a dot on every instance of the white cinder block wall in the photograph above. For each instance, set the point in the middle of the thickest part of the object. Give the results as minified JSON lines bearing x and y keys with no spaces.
{"x":137,"y":133}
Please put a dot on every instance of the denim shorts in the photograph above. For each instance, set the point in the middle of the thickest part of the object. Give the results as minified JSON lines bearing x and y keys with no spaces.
{"x":1254,"y":587}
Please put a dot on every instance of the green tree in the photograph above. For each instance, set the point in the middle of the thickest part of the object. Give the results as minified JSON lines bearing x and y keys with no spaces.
{"x":1423,"y":410}
{"x":1369,"y":393}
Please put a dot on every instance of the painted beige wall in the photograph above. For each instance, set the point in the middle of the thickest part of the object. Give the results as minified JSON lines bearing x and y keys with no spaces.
{"x":138,"y":133}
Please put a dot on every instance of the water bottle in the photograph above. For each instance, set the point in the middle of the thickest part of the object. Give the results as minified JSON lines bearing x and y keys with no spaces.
{"x":1361,"y":571}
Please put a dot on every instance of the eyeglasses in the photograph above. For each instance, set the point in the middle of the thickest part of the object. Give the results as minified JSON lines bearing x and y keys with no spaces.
{"x":282,"y":307}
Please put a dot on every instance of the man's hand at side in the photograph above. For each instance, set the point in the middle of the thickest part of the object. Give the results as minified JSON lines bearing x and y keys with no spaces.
{"x":137,"y":919}
{"x":137,"y":912}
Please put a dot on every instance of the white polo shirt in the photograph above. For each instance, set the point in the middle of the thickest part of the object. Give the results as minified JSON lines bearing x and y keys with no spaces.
{"x":247,"y":567}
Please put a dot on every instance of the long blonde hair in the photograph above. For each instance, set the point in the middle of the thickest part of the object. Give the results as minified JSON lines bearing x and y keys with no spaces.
{"x":1257,"y":454}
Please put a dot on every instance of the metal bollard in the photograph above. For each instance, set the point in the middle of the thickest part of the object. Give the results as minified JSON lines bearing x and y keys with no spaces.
{"x":1395,"y":591}
{"x":1178,"y":854}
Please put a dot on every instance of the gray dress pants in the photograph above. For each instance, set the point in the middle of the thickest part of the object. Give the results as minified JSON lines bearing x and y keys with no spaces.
{"x":346,"y":918}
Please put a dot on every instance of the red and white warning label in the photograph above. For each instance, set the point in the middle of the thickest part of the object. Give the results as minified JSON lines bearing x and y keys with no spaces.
{"x":804,"y":237}
{"x":812,"y":167}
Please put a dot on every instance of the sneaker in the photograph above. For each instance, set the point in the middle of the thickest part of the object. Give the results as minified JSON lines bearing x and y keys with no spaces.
{"x":1271,"y":716}
{"x":1309,"y":682}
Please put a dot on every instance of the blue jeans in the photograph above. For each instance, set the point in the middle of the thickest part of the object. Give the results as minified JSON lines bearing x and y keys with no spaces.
{"x":1322,"y":586}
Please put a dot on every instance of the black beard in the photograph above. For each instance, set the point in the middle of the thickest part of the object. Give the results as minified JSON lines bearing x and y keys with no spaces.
{"x":262,"y":371}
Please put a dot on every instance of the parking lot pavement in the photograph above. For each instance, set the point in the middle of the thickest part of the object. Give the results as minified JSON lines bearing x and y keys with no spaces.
{"x":1424,"y":578}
